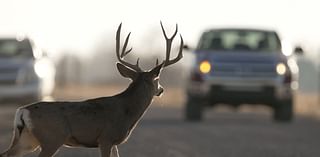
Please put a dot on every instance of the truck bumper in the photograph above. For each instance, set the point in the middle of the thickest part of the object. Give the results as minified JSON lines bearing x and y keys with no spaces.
{"x":248,"y":90}
{"x":20,"y":93}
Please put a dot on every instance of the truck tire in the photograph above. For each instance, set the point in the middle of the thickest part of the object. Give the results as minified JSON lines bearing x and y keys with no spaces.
{"x":193,"y":109}
{"x":283,"y":111}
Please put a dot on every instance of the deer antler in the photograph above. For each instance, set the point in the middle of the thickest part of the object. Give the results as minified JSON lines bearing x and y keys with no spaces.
{"x":167,"y":61}
{"x":124,"y":52}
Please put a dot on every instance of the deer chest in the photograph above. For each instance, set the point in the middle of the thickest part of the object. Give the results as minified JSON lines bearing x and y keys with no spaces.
{"x":123,"y":133}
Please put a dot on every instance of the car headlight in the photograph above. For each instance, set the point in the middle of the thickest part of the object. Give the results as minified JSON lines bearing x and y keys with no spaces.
{"x":44,"y":68}
{"x":281,"y":68}
{"x":205,"y":67}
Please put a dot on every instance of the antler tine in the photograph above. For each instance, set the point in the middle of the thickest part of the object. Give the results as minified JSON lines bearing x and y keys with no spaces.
{"x":118,"y":41}
{"x":167,"y":61}
{"x":179,"y":56}
{"x":137,"y":64}
{"x":164,"y":32}
{"x":124,"y":51}
{"x":168,"y":40}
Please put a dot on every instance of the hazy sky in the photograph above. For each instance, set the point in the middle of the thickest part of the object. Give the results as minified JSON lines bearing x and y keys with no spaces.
{"x":75,"y":24}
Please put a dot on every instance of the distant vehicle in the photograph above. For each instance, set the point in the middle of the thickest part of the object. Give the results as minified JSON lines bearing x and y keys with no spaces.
{"x":26,"y":74}
{"x":242,"y":66}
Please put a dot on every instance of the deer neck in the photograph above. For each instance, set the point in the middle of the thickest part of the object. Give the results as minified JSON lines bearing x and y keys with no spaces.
{"x":138,"y":97}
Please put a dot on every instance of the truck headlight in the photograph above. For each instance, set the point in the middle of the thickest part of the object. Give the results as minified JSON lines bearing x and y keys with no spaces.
{"x":281,"y":68}
{"x":205,"y":67}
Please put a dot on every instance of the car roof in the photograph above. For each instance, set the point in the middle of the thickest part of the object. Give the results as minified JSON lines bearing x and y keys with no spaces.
{"x":239,"y":29}
{"x":18,"y":37}
{"x":8,"y":38}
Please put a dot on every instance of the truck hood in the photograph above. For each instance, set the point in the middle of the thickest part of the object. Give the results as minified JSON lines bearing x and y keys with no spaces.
{"x":240,"y":57}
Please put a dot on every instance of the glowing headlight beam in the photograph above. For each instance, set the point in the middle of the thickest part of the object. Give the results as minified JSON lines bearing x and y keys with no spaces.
{"x":281,"y":69}
{"x":43,"y":68}
{"x":205,"y":67}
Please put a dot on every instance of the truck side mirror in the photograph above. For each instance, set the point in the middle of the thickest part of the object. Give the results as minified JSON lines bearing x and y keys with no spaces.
{"x":298,"y":50}
{"x":188,"y":48}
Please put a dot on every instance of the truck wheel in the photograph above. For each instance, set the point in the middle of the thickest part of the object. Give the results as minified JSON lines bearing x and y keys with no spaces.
{"x":193,"y":109}
{"x":283,"y":111}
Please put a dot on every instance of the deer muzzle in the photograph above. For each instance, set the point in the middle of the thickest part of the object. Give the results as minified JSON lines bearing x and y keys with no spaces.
{"x":159,"y":92}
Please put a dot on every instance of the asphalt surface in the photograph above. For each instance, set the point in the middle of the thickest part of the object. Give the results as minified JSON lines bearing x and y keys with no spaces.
{"x":164,"y":133}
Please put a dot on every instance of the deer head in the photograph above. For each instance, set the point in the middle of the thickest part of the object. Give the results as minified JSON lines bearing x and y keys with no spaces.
{"x":135,"y":73}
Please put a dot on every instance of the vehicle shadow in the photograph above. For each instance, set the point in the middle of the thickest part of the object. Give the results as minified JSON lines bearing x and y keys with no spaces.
{"x":212,"y":118}
{"x":162,"y":117}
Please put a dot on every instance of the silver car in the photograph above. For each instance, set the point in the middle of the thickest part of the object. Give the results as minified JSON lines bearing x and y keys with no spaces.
{"x":26,"y":74}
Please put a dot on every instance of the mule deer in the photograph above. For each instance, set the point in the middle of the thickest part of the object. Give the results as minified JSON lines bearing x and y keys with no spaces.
{"x":103,"y":122}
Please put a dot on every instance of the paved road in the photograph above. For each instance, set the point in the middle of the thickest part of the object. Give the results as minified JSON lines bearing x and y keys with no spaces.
{"x":163,"y":133}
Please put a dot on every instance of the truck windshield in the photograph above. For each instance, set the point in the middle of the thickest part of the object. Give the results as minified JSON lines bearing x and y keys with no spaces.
{"x":240,"y":40}
{"x":15,"y":48}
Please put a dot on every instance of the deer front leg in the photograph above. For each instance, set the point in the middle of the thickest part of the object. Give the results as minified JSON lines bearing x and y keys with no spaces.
{"x":114,"y":151}
{"x":48,"y":151}
{"x":105,"y":150}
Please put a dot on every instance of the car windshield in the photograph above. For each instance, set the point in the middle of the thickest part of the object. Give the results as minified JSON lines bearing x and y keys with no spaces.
{"x":15,"y":48}
{"x":240,"y":40}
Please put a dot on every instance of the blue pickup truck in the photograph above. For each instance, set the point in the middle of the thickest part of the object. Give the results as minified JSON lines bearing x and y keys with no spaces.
{"x":242,"y":66}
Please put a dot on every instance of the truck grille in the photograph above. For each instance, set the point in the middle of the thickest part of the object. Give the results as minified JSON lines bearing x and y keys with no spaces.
{"x":8,"y":76}
{"x":244,"y":70}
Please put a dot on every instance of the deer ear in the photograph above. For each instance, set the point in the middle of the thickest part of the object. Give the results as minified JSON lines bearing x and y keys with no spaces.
{"x":126,"y":72}
{"x":156,"y":70}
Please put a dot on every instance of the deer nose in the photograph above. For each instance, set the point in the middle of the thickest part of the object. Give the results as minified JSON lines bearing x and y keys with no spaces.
{"x":160,"y":92}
